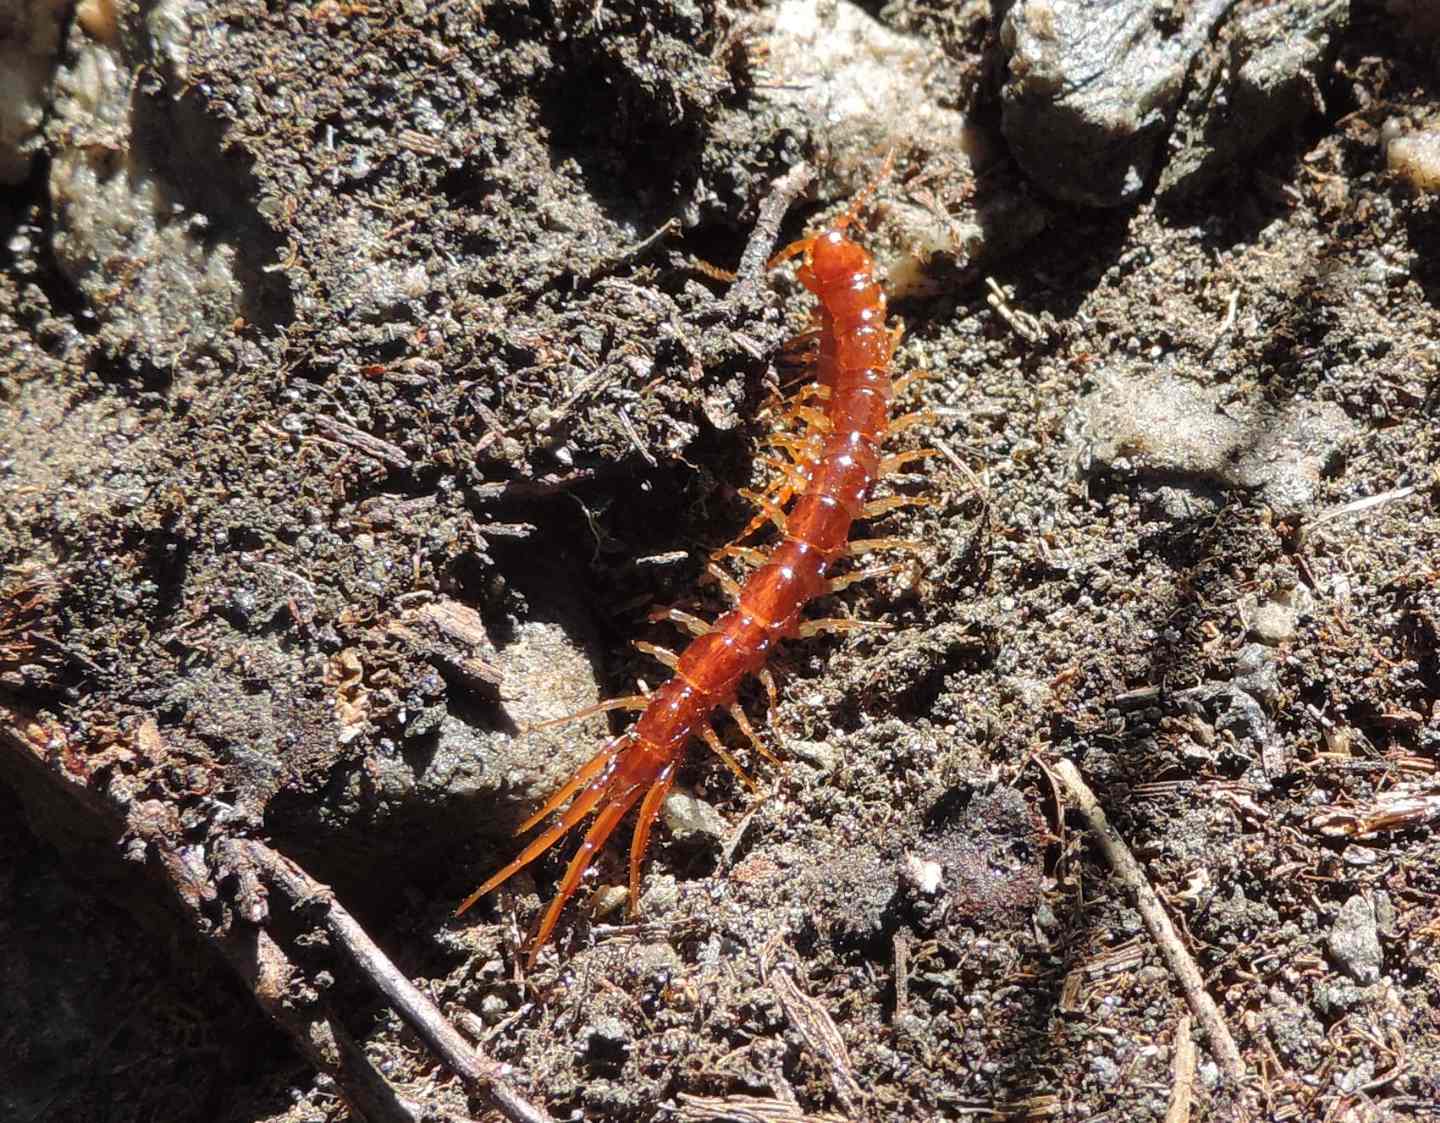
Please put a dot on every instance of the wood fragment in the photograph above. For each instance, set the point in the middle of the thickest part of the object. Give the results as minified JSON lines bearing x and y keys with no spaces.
{"x":813,"y":1023}
{"x":751,"y":272}
{"x":745,"y":1109}
{"x":1177,"y":958}
{"x":1182,"y":1073}
{"x":34,"y":751}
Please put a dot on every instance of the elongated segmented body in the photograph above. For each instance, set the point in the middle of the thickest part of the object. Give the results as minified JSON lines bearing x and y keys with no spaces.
{"x":639,"y":766}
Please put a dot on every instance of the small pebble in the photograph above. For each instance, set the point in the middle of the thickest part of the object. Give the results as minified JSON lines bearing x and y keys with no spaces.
{"x":1354,"y":941}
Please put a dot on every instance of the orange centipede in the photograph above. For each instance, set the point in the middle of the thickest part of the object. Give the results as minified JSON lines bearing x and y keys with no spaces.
{"x":830,"y":481}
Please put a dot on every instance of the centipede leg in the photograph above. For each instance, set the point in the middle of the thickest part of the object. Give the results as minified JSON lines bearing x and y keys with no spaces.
{"x":600,"y":830}
{"x":640,"y":841}
{"x":707,"y":733}
{"x":773,"y":511}
{"x":844,"y":582}
{"x":891,"y":464}
{"x":583,"y":805}
{"x":583,"y":776}
{"x":910,"y":420}
{"x":893,"y":503}
{"x":655,"y":651}
{"x":746,"y":553}
{"x":692,"y":624}
{"x":836,"y":625}
{"x":772,"y":694}
{"x":725,"y":581}
{"x":909,"y":379}
{"x":743,"y":721}
{"x":858,"y":546}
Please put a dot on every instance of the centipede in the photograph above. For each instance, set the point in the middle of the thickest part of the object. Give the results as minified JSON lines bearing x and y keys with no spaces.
{"x":822,"y":490}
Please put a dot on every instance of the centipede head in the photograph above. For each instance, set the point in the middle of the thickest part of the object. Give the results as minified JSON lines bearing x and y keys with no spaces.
{"x":833,"y":258}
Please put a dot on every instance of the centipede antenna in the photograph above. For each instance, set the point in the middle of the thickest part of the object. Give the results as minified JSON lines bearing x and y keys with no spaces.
{"x":629,"y":702}
{"x":866,"y":193}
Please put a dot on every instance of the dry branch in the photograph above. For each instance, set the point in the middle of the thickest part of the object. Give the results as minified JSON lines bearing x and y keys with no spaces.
{"x":39,"y":756}
{"x":1179,"y":960}
{"x":482,"y":1076}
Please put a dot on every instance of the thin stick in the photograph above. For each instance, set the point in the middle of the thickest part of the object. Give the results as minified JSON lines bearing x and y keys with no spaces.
{"x":767,"y":227}
{"x":481,"y":1075}
{"x":1180,"y":962}
{"x":1182,"y":1074}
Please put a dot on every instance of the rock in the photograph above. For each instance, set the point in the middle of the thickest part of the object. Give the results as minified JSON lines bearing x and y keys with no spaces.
{"x":1090,"y":94}
{"x":29,"y":38}
{"x":1413,"y":155}
{"x":1354,"y":941}
{"x":1163,"y":424}
{"x":1260,"y":89}
{"x":1274,"y":619}
{"x":692,"y":818}
{"x":155,"y":227}
{"x":855,"y":89}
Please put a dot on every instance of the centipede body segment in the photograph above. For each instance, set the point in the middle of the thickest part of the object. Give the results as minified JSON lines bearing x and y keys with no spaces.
{"x":830,"y":485}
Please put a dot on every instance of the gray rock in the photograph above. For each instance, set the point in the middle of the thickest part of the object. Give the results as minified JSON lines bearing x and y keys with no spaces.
{"x":1160,"y":423}
{"x":1261,"y":88}
{"x":1273,"y":620}
{"x":855,"y":88}
{"x":1092,"y":88}
{"x":153,"y":224}
{"x":29,"y":38}
{"x":692,"y":818}
{"x":1354,"y":941}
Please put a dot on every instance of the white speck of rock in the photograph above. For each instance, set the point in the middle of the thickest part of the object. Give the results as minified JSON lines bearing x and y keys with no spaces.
{"x":1274,"y":620}
{"x":924,"y":874}
{"x":1413,"y":155}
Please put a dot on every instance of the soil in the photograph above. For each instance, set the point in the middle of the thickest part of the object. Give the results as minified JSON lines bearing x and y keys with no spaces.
{"x":383,"y":423}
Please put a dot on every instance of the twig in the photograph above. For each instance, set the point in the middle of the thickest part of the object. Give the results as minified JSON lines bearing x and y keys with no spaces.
{"x":745,"y":1109}
{"x":1182,"y":1073}
{"x":901,"y":945}
{"x":1180,"y":962}
{"x":481,"y":1075}
{"x":767,"y":227}
{"x":1355,"y":506}
{"x":814,"y":1024}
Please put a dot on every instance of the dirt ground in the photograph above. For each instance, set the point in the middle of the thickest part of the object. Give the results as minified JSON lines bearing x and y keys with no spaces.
{"x":367,"y":377}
